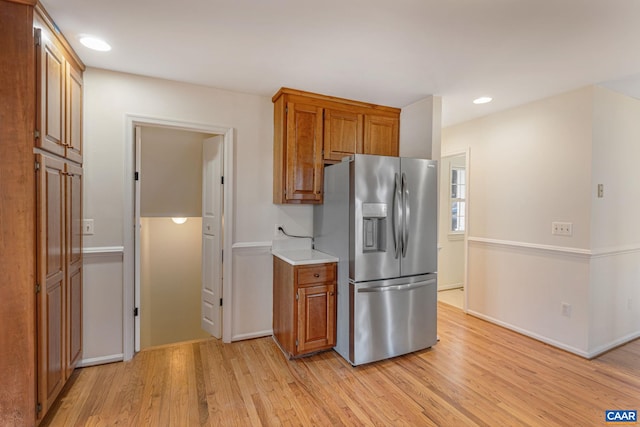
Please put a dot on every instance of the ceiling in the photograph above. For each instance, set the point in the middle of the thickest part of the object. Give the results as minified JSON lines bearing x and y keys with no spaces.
{"x":381,"y":51}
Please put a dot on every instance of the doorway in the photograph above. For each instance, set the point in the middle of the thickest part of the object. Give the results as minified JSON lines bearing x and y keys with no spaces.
{"x":170,"y":178}
{"x":453,"y":229}
{"x":132,"y":239}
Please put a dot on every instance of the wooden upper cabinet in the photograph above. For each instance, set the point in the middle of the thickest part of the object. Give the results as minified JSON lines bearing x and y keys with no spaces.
{"x":73,"y":144}
{"x":381,"y":135}
{"x":343,"y":134}
{"x":312,"y":130}
{"x":58,"y":92}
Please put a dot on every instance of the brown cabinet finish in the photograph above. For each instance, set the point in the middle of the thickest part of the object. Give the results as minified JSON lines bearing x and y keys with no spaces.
{"x":343,"y":134}
{"x":35,"y":348}
{"x":304,"y":307}
{"x":311,"y":130}
{"x":381,"y":135}
{"x":59,"y":93}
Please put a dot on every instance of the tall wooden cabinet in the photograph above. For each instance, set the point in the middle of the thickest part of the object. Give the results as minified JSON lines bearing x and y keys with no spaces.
{"x":304,"y":307}
{"x":41,"y":205}
{"x":311,"y":130}
{"x":58,"y":163}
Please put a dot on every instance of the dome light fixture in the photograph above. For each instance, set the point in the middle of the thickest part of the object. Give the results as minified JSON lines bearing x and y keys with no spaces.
{"x":179,"y":220}
{"x":95,"y":43}
{"x":482,"y":100}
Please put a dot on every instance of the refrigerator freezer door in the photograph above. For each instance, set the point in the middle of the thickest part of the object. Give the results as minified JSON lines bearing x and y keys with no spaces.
{"x":373,"y":242}
{"x":420,"y":233}
{"x":392,"y":317}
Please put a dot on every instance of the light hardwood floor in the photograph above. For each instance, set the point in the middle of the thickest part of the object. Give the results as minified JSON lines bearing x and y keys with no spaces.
{"x":478,"y":374}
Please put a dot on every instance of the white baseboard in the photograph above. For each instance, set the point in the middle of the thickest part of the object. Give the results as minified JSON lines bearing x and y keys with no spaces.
{"x":530,"y":334}
{"x":252,"y":335}
{"x":451,"y":286}
{"x":613,"y":344}
{"x":102,"y":360}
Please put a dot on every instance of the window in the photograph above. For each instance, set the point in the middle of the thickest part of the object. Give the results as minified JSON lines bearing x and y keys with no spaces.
{"x":458,"y":199}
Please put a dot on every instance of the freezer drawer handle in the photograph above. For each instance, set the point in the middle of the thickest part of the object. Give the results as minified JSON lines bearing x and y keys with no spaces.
{"x":407,"y":287}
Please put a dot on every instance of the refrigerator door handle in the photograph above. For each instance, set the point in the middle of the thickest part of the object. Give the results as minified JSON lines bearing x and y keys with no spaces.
{"x":397,"y":215}
{"x":407,"y":287}
{"x":407,"y":214}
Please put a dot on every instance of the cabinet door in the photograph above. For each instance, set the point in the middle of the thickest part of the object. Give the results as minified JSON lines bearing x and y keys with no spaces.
{"x":50,"y":96}
{"x":50,"y":303}
{"x":316,"y":317}
{"x":304,"y":153}
{"x":381,"y":135}
{"x":343,"y":133}
{"x":73,"y":233}
{"x":73,"y":141}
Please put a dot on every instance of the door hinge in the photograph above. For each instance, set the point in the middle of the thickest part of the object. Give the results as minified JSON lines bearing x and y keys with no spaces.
{"x":135,"y":312}
{"x":136,"y":176}
{"x":222,"y":180}
{"x":38,"y":288}
{"x":220,"y":302}
{"x":36,"y":134}
{"x":222,"y":255}
{"x":37,"y":35}
{"x":38,"y":407}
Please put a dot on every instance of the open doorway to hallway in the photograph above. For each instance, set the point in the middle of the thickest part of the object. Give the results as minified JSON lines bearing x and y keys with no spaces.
{"x":170,"y":192}
{"x":453,"y":228}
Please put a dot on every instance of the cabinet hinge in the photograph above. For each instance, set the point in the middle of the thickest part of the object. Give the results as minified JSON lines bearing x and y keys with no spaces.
{"x":297,"y":296}
{"x":38,"y":288}
{"x":136,"y":176}
{"x":37,"y":36}
{"x":296,"y":343}
{"x":135,"y":312}
{"x":286,"y":109}
{"x":36,"y":134}
{"x":39,"y":407}
{"x":222,"y":255}
{"x":37,"y":166}
{"x":220,"y":302}
{"x":222,"y":180}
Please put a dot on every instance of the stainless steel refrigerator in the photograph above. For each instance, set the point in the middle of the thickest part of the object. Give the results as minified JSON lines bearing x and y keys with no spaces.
{"x":379,"y":218}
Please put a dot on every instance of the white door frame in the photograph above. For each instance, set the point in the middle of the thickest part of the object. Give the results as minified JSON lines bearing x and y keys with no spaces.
{"x":129,"y":288}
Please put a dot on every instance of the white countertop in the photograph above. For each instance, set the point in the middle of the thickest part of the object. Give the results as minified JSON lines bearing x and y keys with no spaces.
{"x":304,"y":256}
{"x":299,"y":252}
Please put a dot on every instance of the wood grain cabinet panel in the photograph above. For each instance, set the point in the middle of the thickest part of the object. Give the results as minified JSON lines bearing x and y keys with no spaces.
{"x":312,"y":130}
{"x":304,"y":307}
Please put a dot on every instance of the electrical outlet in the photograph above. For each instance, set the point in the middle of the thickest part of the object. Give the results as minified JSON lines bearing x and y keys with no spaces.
{"x":87,"y":227}
{"x":566,"y":309}
{"x":276,"y":230}
{"x":562,"y":228}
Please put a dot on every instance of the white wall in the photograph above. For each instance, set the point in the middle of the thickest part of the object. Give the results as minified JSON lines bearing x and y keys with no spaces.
{"x":531,"y":166}
{"x":109,"y":96}
{"x":171,"y":265}
{"x":539,"y":163}
{"x":615,"y":229}
{"x":420,"y":129}
{"x":171,"y":172}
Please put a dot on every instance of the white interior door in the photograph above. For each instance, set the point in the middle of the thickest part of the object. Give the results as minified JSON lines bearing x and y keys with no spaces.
{"x":212,"y":238}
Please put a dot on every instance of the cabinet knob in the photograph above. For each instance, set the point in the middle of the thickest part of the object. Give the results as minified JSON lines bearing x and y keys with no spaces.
{"x":330,"y":293}
{"x":316,"y":275}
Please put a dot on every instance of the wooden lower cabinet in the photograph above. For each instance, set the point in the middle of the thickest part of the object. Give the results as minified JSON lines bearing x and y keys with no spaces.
{"x":304,"y":307}
{"x":59,"y":276}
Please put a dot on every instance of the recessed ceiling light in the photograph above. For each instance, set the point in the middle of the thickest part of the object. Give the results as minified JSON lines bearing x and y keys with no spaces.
{"x":482,"y":100}
{"x":95,"y":43}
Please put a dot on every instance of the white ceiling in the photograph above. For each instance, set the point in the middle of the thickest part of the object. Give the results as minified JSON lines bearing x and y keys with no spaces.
{"x":390,"y":52}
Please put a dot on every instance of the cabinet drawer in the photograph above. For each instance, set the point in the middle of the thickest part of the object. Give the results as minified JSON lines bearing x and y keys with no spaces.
{"x":316,"y":274}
